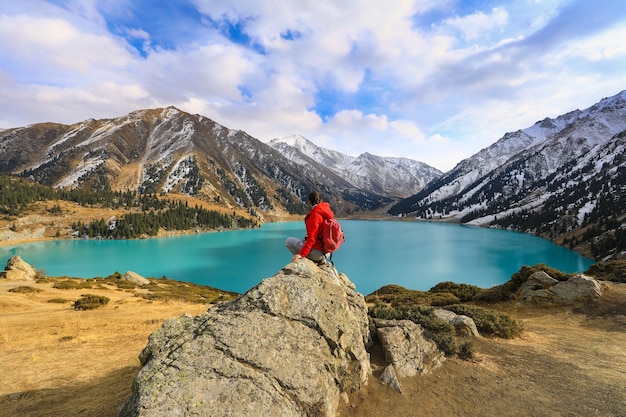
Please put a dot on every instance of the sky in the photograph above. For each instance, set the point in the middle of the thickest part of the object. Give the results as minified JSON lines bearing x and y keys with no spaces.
{"x":431,"y":80}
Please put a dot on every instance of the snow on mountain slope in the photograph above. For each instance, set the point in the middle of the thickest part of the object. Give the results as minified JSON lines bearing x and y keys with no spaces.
{"x":397,"y":177}
{"x":548,"y":144}
{"x":552,"y":179}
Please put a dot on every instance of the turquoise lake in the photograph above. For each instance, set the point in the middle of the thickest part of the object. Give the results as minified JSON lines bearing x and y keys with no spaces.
{"x":416,"y":255}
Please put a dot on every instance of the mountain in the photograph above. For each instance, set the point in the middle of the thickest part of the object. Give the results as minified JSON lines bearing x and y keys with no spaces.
{"x":389,"y":176}
{"x":562,"y":179}
{"x":167,"y":150}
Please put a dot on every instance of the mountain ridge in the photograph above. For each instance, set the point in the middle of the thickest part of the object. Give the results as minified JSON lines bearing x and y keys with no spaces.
{"x":395,"y":176}
{"x":553,"y":179}
{"x":167,"y":150}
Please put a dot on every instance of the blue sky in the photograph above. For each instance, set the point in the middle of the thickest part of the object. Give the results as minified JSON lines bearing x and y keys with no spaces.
{"x":431,"y":80}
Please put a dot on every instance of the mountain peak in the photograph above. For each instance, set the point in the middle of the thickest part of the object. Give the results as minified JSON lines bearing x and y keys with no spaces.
{"x":387,"y":176}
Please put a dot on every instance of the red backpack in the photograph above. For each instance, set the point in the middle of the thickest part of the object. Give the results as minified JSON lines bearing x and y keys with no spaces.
{"x":332,"y":235}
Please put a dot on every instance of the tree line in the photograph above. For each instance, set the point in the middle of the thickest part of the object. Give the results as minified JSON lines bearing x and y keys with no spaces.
{"x":152,"y":213}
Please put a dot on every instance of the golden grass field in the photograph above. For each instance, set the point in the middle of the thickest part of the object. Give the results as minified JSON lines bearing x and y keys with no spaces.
{"x":57,"y":361}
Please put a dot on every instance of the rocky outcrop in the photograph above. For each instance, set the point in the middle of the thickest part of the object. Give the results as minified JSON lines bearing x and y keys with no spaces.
{"x":17,"y":269}
{"x":292,"y":346}
{"x":406,"y":347}
{"x":541,"y":288}
{"x":135,"y":278}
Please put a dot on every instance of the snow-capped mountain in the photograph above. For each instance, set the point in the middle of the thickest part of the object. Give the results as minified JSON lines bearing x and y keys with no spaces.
{"x":389,"y":176}
{"x":167,"y":150}
{"x":555,"y":177}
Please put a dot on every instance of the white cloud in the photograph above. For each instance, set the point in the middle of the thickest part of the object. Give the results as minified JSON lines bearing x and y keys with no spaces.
{"x":479,"y":24}
{"x":393,"y":81}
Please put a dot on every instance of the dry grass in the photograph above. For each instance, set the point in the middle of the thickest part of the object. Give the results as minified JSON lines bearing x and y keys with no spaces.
{"x":57,"y":361}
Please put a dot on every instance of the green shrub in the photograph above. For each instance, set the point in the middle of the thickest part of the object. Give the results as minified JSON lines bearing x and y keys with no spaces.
{"x":490,"y":322}
{"x":466,"y":351}
{"x":608,"y":271}
{"x":90,"y":302}
{"x":399,"y":296}
{"x":24,"y":290}
{"x":463,"y":292}
{"x":58,"y":300}
{"x":72,"y":284}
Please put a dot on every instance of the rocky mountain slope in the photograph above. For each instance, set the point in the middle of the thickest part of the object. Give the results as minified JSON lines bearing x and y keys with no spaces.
{"x":167,"y":150}
{"x":394,"y":177}
{"x":563,"y":179}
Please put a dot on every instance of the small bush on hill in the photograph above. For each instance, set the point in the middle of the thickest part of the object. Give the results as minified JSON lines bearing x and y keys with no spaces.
{"x":490,"y":322}
{"x":58,"y":300}
{"x":90,"y":302}
{"x":400,"y":296}
{"x":608,"y":271}
{"x":466,"y":351}
{"x":463,"y":292}
{"x":24,"y":290}
{"x":72,"y":284}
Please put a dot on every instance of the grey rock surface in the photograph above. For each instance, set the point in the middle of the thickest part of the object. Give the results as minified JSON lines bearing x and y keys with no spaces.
{"x":288,"y":347}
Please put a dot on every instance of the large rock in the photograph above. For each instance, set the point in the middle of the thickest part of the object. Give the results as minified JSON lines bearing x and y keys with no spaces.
{"x":578,"y":288}
{"x":18,"y":270}
{"x":540,"y":288}
{"x":406,"y":347}
{"x":135,"y":278}
{"x":292,"y":346}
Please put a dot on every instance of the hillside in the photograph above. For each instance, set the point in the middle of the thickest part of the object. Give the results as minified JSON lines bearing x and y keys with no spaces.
{"x":67,"y":362}
{"x":563,"y":179}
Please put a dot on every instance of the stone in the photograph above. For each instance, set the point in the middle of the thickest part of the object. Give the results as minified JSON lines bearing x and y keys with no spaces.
{"x":541,"y":279}
{"x":464,"y":326}
{"x":291,"y":346}
{"x":135,"y":278}
{"x":406,"y":347}
{"x":540,"y":288}
{"x":17,"y":269}
{"x":389,"y":378}
{"x":578,"y":288}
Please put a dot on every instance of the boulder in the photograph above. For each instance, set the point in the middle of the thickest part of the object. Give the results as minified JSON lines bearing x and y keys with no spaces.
{"x":17,"y":269}
{"x":135,"y":278}
{"x":291,"y":346}
{"x":578,"y":288}
{"x":463,"y":325}
{"x":406,"y":347}
{"x":540,"y":288}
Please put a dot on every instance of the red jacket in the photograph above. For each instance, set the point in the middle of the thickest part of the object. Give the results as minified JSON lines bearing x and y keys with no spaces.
{"x":313,"y":222}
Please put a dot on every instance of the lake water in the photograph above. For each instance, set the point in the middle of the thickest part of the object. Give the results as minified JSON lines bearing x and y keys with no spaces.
{"x":416,"y":255}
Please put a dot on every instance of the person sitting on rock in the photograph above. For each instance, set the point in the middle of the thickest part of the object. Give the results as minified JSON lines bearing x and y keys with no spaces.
{"x":311,"y":246}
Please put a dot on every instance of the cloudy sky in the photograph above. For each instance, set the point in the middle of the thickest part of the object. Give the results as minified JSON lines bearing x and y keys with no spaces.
{"x":431,"y":80}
